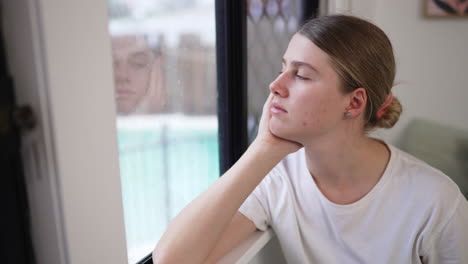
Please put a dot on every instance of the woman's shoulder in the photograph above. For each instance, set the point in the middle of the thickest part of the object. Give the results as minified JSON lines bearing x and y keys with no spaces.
{"x":426,"y":193}
{"x":424,"y":181}
{"x":288,"y":171}
{"x":292,"y":165}
{"x":410,"y":166}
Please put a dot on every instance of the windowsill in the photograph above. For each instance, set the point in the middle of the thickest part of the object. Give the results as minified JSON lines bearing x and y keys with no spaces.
{"x":248,"y":249}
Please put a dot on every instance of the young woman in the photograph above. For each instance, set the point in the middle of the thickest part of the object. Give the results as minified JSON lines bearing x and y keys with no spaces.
{"x":331,"y":193}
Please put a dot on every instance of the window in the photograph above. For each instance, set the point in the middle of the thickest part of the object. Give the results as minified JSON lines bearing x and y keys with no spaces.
{"x":165,"y":90}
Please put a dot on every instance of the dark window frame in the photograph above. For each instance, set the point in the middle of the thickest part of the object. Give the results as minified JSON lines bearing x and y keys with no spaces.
{"x":231,"y":58}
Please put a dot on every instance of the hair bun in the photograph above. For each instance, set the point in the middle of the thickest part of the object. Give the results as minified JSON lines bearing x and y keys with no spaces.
{"x":392,"y":115}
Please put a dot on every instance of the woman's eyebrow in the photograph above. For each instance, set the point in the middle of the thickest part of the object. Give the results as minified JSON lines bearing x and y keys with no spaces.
{"x":139,"y":54}
{"x":298,"y":64}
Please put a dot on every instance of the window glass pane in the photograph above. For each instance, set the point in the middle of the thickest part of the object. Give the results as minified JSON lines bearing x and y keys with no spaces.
{"x":165,"y":91}
{"x":270,"y":26}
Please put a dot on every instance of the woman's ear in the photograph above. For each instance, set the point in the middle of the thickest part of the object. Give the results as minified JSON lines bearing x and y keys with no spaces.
{"x":357,"y":102}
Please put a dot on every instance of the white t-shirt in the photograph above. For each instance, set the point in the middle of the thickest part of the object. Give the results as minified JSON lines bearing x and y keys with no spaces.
{"x":414,"y":210}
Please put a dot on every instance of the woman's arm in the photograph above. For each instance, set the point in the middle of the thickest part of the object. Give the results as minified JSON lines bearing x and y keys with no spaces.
{"x":238,"y":230}
{"x":194,"y":232}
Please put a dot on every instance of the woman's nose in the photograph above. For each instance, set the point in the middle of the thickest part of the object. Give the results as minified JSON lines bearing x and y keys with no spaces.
{"x":278,"y":86}
{"x":120,"y":71}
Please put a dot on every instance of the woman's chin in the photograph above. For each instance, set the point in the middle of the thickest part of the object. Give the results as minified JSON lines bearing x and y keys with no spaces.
{"x":279,"y":130}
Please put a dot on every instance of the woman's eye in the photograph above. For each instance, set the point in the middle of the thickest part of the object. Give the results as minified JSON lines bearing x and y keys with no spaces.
{"x":138,"y":64}
{"x":301,"y":77}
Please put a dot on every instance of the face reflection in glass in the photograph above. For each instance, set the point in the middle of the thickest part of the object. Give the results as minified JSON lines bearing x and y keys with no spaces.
{"x":137,"y":75}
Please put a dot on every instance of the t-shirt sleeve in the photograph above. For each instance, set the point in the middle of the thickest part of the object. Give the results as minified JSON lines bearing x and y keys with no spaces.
{"x":451,"y":244}
{"x":256,"y":206}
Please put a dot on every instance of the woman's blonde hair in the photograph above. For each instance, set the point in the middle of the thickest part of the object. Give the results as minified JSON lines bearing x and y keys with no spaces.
{"x":362,"y":55}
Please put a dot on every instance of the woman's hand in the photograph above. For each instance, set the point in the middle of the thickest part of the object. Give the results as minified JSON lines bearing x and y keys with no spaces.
{"x":267,"y":140}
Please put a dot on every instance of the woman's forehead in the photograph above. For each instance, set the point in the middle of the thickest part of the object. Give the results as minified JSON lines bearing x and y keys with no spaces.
{"x":302,"y":49}
{"x":130,"y":42}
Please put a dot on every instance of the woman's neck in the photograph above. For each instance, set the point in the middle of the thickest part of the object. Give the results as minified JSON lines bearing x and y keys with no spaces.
{"x":346,"y":170}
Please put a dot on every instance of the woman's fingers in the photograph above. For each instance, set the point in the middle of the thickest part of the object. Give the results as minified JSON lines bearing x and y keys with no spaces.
{"x":267,"y":139}
{"x":266,"y":115}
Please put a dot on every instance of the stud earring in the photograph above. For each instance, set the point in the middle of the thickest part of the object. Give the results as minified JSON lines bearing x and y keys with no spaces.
{"x":347,"y":115}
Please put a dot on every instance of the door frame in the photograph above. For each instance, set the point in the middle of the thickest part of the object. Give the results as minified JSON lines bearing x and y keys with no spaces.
{"x":75,"y":194}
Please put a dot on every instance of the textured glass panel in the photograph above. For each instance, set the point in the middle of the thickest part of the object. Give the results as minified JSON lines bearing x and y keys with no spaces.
{"x":165,"y":92}
{"x":267,"y":38}
{"x":255,"y":9}
{"x":272,"y":8}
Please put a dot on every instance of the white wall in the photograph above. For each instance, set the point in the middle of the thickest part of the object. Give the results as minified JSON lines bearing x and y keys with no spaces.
{"x":432,"y":62}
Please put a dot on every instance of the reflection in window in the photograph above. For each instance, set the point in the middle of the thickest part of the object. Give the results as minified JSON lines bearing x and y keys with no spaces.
{"x":139,"y":86}
{"x":165,"y":92}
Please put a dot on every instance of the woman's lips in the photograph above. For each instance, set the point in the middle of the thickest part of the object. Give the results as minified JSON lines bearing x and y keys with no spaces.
{"x":123,"y":94}
{"x":276,"y":109}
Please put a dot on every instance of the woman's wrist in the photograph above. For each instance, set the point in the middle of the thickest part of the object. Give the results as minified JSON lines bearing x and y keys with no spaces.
{"x":267,"y":150}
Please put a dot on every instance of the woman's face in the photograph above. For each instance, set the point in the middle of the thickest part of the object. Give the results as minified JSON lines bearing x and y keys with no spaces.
{"x":307,"y":99}
{"x":132,"y":67}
